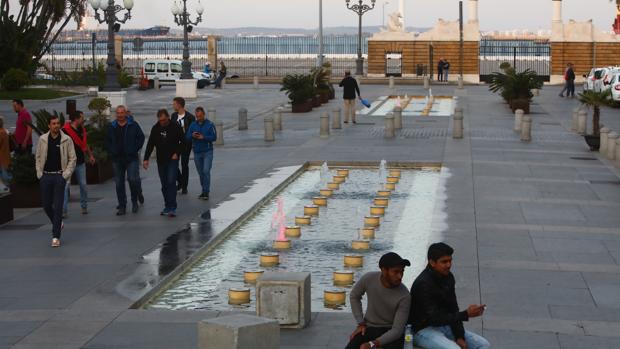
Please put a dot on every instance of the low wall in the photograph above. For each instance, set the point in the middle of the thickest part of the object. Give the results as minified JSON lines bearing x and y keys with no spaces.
{"x":584,"y":55}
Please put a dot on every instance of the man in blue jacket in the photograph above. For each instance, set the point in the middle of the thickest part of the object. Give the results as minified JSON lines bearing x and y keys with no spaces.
{"x":202,"y":134}
{"x":124,"y":141}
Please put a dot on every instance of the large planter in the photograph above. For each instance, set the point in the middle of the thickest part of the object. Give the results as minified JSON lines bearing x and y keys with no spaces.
{"x":26,"y":195}
{"x":594,"y":142}
{"x":100,"y":172}
{"x":523,"y":104}
{"x":303,"y":107}
{"x":316,"y":101}
{"x":324,"y":96}
{"x":6,"y":208}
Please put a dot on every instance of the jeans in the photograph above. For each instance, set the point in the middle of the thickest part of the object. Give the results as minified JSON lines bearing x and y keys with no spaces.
{"x":52,"y":196}
{"x":168,"y":177}
{"x":373,"y":333}
{"x":218,"y":81}
{"x":349,"y":109}
{"x":80,"y":173}
{"x":446,"y":72}
{"x":570,"y":88}
{"x":440,"y":75}
{"x":130,"y":169}
{"x":183,"y":172}
{"x":442,"y":338}
{"x":204,"y":162}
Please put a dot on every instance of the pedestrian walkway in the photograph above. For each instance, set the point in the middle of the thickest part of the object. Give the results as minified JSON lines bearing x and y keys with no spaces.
{"x":535,"y":229}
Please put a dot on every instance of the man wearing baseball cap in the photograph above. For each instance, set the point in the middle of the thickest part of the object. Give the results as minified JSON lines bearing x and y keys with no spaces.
{"x":388,"y":306}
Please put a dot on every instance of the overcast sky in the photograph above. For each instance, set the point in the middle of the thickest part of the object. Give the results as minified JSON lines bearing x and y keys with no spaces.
{"x":494,"y":14}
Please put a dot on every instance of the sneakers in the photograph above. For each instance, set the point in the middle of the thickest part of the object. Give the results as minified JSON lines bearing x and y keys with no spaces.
{"x":184,"y":191}
{"x":172,"y":213}
{"x":135,"y":208}
{"x":55,"y":242}
{"x":121,"y":211}
{"x":65,"y":214}
{"x":141,"y":199}
{"x":204,"y":196}
{"x":164,"y":212}
{"x":84,"y":210}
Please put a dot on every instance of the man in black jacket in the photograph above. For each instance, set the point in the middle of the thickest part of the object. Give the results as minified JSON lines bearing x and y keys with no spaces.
{"x":184,"y":119}
{"x":167,"y":137}
{"x":350,"y":90}
{"x":435,"y":314}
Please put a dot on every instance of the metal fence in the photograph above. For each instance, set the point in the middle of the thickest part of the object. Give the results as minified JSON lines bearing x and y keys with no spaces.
{"x":244,"y":56}
{"x":521,"y":54}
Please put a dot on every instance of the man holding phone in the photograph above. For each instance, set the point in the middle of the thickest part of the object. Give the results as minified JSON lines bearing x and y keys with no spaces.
{"x":202,"y":134}
{"x":435,"y":314}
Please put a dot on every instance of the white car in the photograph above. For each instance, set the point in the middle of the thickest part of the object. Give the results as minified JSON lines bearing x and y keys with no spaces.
{"x":606,"y":75}
{"x":591,"y":82}
{"x":169,"y":71}
{"x":614,"y":84}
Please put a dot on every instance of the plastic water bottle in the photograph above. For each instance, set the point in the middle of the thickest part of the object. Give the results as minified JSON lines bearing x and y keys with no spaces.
{"x":408,"y":338}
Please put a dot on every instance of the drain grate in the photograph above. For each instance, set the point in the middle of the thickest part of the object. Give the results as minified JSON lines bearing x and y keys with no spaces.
{"x":583,"y":158}
{"x":414,"y":133}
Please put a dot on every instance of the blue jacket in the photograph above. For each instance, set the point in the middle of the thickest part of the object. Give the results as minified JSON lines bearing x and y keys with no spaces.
{"x":207,"y":129}
{"x":134,"y":140}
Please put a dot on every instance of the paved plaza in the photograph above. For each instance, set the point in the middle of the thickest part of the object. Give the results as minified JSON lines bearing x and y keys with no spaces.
{"x":535,"y":226}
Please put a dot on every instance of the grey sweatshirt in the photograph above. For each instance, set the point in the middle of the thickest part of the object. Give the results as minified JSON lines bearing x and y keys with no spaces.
{"x":387,"y":307}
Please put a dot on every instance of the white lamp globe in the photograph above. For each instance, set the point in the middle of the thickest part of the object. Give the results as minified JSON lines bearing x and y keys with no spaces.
{"x":94,"y":4}
{"x":128,"y":4}
{"x":103,"y":4}
{"x":175,"y":8}
{"x":199,"y":9}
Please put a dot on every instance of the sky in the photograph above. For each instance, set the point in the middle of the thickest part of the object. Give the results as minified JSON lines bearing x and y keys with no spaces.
{"x":494,"y":14}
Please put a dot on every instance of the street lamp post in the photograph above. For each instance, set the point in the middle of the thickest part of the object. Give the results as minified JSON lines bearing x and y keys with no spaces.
{"x":181,"y":18}
{"x":383,"y":14}
{"x":321,"y":45}
{"x":110,"y":11}
{"x":360,"y":9}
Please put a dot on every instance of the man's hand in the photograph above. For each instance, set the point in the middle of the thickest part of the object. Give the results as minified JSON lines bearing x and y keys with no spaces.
{"x":92,"y":160}
{"x":365,"y":346}
{"x":175,"y":157}
{"x":475,"y":310}
{"x":461,"y":343}
{"x":361,"y":329}
{"x":145,"y":164}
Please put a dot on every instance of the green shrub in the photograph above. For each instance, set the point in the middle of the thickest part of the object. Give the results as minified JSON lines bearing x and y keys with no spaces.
{"x":14,"y":79}
{"x":99,"y":106}
{"x":23,"y":169}
{"x":298,"y":87}
{"x":125,"y":79}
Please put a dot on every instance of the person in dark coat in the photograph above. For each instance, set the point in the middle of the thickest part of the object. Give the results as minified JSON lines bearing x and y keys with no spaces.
{"x":184,"y":119}
{"x":350,"y":90}
{"x":440,"y":65}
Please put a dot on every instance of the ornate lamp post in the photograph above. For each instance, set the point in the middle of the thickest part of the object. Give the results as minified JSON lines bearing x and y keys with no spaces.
{"x":110,"y":11}
{"x":360,"y":8}
{"x":181,"y":18}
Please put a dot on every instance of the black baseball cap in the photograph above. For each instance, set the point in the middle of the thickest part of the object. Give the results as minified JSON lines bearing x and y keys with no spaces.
{"x":392,"y":259}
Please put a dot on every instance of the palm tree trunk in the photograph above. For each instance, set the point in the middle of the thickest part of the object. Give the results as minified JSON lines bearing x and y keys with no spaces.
{"x":596,"y":126}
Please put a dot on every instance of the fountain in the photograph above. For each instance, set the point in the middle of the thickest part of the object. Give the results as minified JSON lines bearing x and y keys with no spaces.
{"x":278,"y":222}
{"x":377,"y":210}
{"x":303,"y":220}
{"x":251,"y":276}
{"x":319,"y":200}
{"x":354,"y":261}
{"x":335,"y":297}
{"x":269,"y":259}
{"x":239,"y":296}
{"x":293,"y":231}
{"x":367,"y":233}
{"x":372,"y":221}
{"x":343,"y":278}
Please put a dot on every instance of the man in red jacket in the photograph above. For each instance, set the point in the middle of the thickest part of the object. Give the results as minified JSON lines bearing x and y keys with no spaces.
{"x":76,"y":130}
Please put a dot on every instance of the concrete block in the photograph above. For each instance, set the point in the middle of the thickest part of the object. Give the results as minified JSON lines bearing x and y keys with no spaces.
{"x":526,"y":129}
{"x":324,"y":127}
{"x":398,"y":118}
{"x":336,"y":119}
{"x":457,"y":130}
{"x":582,"y":122}
{"x":243,"y":119}
{"x":187,"y":88}
{"x":604,"y":134}
{"x":389,"y":126}
{"x":238,"y":332}
{"x":269,"y":134}
{"x":611,"y":150}
{"x":219,"y":128}
{"x":284,"y":297}
{"x":518,"y":120}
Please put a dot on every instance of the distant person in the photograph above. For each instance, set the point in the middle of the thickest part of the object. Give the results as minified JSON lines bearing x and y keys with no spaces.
{"x":124,"y":141}
{"x":446,"y":70}
{"x":76,"y":130}
{"x":221,"y":76}
{"x":55,"y":161}
{"x":23,"y":130}
{"x":168,"y":138}
{"x":435,"y":315}
{"x":5,"y":156}
{"x":388,"y":302}
{"x":570,"y":81}
{"x":201,"y":134}
{"x":184,"y":119}
{"x":350,"y":90}
{"x":440,"y":66}
{"x":565,"y":87}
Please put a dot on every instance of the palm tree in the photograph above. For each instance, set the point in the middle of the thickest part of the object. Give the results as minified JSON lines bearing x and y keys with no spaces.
{"x":596,"y":100}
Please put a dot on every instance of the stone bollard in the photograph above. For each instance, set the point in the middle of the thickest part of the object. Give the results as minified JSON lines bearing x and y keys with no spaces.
{"x":391,"y":82}
{"x":398,"y":118}
{"x":243,"y":119}
{"x":238,"y":332}
{"x":256,"y":83}
{"x":427,"y":82}
{"x":269,"y":137}
{"x":518,"y":120}
{"x":526,"y":129}
{"x":618,"y":151}
{"x":336,"y":119}
{"x":604,"y":134}
{"x":212,"y":115}
{"x":277,"y":120}
{"x":457,"y":131}
{"x":536,"y":92}
{"x":219,"y":129}
{"x":575,"y":123}
{"x":460,"y":82}
{"x":582,"y":122}
{"x":324,"y":132}
{"x":389,"y":126}
{"x":611,"y":151}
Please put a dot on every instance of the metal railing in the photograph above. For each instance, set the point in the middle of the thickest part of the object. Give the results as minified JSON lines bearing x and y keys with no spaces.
{"x":534,"y":55}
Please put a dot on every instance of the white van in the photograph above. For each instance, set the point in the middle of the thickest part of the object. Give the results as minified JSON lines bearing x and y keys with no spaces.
{"x":169,"y":71}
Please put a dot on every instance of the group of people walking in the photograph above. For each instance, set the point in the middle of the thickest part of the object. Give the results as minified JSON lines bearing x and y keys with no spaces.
{"x":64,"y":151}
{"x":428,"y":313}
{"x":569,"y":81}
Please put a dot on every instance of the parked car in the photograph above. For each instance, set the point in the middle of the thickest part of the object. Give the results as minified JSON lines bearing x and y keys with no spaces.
{"x":607,"y":75}
{"x":169,"y":71}
{"x":592,"y":79}
{"x":614,"y":84}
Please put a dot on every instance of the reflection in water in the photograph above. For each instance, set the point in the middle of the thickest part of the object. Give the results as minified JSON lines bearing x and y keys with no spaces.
{"x":406,"y":228}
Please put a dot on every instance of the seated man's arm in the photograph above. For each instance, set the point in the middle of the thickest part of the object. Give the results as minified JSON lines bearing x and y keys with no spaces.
{"x":433,"y":313}
{"x":400,"y":321}
{"x":358,"y":291}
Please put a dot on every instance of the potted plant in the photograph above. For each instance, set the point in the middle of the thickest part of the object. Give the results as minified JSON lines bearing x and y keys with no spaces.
{"x":595,"y":100}
{"x":25,"y":185}
{"x":514,"y":87}
{"x":300,"y":91}
{"x":97,"y":129}
{"x":320,"y":78}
